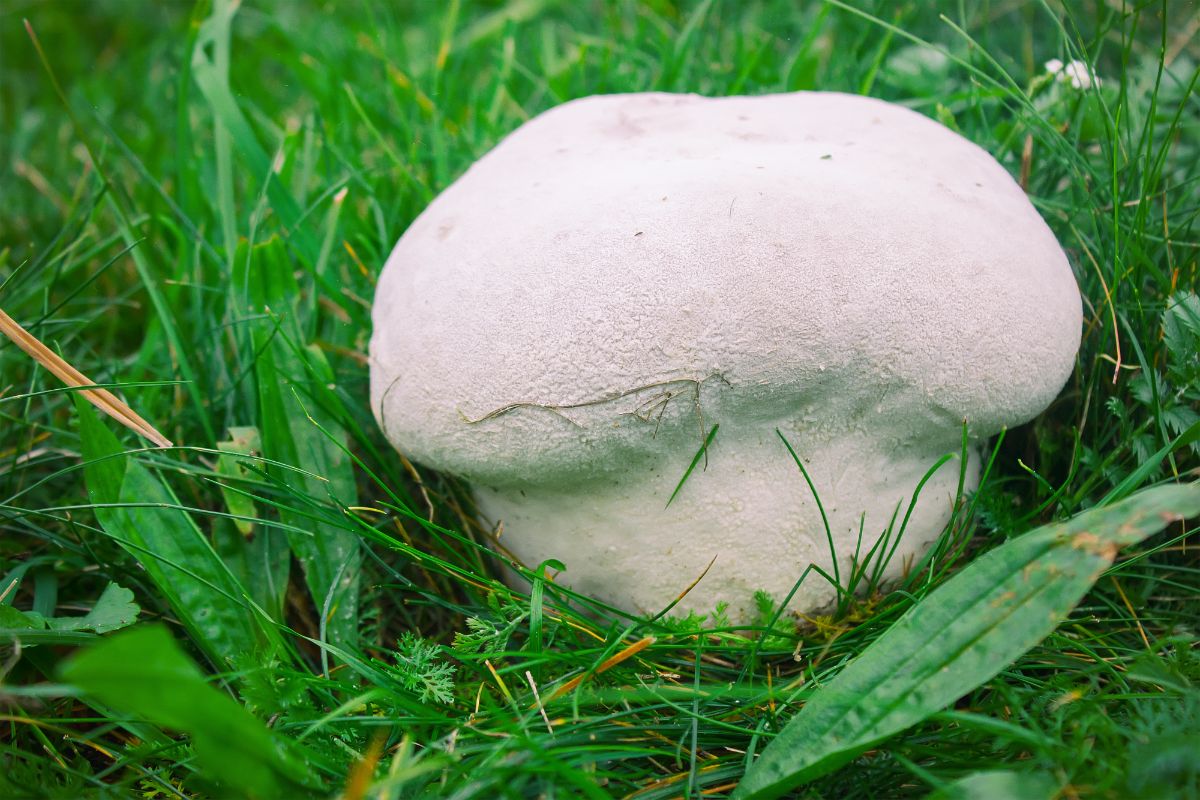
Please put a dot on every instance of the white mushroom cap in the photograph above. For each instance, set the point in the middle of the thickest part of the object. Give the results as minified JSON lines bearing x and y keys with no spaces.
{"x":622,"y":270}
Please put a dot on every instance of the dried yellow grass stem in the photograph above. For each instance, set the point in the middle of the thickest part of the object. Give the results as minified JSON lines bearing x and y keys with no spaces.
{"x":609,"y":663}
{"x":102,"y":399}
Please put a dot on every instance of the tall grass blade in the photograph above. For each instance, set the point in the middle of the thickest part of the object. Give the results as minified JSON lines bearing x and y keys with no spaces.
{"x":211,"y":75}
{"x":701,"y":453}
{"x":294,"y":399}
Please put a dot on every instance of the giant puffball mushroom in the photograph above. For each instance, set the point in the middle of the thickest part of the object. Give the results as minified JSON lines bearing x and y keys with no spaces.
{"x":566,"y":323}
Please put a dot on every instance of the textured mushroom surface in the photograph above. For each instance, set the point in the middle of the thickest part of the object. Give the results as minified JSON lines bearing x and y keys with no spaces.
{"x":565,"y":323}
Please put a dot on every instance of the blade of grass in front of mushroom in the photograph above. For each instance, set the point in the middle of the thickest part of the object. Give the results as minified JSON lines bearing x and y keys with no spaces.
{"x":868,"y":566}
{"x":833,"y":554}
{"x":609,"y":660}
{"x":701,"y":453}
{"x":937,"y":568}
{"x":986,"y":616}
{"x":101,"y":398}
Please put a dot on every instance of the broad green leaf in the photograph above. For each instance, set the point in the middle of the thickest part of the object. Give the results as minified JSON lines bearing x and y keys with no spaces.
{"x":143,"y":673}
{"x":959,"y":637}
{"x":1000,"y":785}
{"x":293,"y":391}
{"x":164,"y":538}
{"x":114,"y":610}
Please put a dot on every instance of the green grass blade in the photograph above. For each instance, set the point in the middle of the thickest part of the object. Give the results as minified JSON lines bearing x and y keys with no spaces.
{"x":294,"y":397}
{"x":701,"y":453}
{"x":537,"y":595}
{"x":143,"y":672}
{"x":12,"y":630}
{"x":833,"y":554}
{"x":958,"y":637}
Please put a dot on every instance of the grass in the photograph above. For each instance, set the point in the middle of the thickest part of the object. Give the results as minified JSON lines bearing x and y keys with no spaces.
{"x":198,"y":228}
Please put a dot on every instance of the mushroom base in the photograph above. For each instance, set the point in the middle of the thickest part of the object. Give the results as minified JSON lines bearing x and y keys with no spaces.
{"x":749,"y":512}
